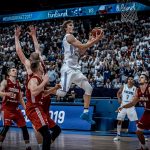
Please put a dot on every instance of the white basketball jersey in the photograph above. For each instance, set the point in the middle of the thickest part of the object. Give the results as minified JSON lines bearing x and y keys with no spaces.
{"x":127,"y":94}
{"x":71,"y":54}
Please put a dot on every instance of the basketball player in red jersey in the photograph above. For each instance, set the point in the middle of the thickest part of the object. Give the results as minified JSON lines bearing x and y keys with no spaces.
{"x":53,"y":127}
{"x":34,"y":109}
{"x":143,"y":95}
{"x":12,"y":96}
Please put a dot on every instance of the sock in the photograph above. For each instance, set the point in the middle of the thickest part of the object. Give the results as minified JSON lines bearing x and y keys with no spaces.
{"x":0,"y":144}
{"x":27,"y":145}
{"x":86,"y":110}
{"x":118,"y":130}
{"x":40,"y":146}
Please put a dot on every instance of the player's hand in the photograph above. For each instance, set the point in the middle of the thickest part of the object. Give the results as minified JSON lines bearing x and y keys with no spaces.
{"x":99,"y":36}
{"x":119,"y":109}
{"x":17,"y":31}
{"x":32,"y":31}
{"x":57,"y":86}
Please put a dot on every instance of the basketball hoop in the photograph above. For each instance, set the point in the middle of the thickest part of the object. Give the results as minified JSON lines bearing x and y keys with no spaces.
{"x":128,"y":10}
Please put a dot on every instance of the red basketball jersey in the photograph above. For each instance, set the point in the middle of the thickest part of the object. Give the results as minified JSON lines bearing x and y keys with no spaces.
{"x":144,"y":97}
{"x":11,"y":103}
{"x":34,"y":99}
{"x":27,"y":81}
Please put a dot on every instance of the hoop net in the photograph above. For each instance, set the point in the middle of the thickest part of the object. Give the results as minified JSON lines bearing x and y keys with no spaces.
{"x":128,"y":11}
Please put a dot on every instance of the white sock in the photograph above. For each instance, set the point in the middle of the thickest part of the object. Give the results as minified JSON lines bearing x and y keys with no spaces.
{"x":40,"y":146}
{"x":27,"y":145}
{"x":86,"y":110}
{"x":118,"y":129}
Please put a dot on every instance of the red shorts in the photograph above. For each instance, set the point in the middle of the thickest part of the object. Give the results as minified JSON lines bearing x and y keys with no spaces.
{"x":51,"y":123}
{"x":37,"y":116}
{"x":46,"y":107}
{"x":13,"y":115}
{"x":144,"y":122}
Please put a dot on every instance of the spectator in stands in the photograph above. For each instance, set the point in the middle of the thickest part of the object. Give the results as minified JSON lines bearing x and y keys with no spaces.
{"x":52,"y":76}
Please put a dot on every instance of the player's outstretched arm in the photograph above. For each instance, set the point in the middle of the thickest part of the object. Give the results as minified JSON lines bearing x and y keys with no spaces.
{"x":19,"y":50}
{"x":52,"y":90}
{"x":83,"y":47}
{"x":32,"y":33}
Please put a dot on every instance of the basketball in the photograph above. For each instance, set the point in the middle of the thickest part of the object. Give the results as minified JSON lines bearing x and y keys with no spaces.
{"x":96,"y":31}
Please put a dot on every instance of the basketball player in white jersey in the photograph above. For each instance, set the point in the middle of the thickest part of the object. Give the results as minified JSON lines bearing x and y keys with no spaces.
{"x":125,"y":96}
{"x":70,"y":71}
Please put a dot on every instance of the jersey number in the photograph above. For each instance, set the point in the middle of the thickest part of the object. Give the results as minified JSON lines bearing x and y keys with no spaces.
{"x":127,"y":97}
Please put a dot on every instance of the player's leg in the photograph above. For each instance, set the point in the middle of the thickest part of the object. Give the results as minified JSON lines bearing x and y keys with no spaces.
{"x":119,"y":124}
{"x":141,"y":138}
{"x":120,"y":117}
{"x":26,"y":137}
{"x":39,"y":137}
{"x":56,"y":130}
{"x":80,"y":80}
{"x":46,"y":137}
{"x":66,"y":81}
{"x":6,"y":118}
{"x":3,"y":134}
{"x":20,"y":121}
{"x":143,"y":124}
{"x":38,"y":118}
{"x":132,"y":115}
{"x":53,"y":127}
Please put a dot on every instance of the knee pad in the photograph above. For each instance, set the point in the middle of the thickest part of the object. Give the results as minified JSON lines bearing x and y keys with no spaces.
{"x":61,"y":93}
{"x":87,"y":88}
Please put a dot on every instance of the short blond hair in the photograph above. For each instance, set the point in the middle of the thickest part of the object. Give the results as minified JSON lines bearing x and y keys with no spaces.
{"x":64,"y":25}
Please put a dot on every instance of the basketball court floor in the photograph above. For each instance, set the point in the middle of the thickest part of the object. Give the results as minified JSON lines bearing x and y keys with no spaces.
{"x":74,"y":140}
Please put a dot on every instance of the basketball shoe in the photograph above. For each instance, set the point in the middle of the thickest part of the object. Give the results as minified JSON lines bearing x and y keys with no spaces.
{"x":86,"y":116}
{"x":117,"y":138}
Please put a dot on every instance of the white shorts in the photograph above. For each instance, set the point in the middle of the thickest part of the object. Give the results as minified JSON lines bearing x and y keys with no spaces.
{"x":69,"y":76}
{"x":130,"y":112}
